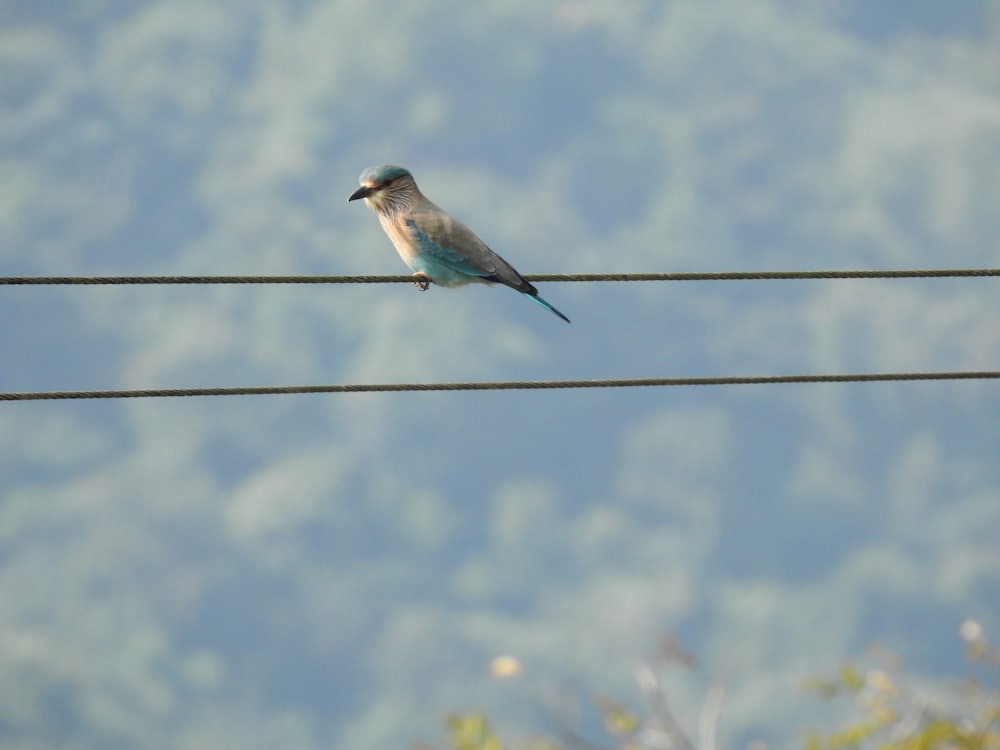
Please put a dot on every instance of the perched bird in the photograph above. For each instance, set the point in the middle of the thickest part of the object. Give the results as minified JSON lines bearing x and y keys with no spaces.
{"x":437,"y":247}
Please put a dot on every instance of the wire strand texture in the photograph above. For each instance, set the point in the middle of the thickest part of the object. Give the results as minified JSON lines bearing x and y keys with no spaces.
{"x":500,"y":385}
{"x":545,"y":277}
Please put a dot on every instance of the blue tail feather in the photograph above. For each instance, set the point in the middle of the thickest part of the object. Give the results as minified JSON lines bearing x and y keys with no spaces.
{"x":546,"y":305}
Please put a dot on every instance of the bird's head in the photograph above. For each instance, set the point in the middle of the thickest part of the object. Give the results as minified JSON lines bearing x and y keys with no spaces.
{"x":386,"y":188}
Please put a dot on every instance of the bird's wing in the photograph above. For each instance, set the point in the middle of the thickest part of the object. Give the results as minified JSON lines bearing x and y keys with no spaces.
{"x":450,"y":243}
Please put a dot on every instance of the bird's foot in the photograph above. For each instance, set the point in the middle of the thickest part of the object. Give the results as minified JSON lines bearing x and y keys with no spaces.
{"x":421,"y":282}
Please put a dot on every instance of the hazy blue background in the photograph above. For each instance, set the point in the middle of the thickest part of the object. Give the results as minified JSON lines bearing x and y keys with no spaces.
{"x":338,"y":571}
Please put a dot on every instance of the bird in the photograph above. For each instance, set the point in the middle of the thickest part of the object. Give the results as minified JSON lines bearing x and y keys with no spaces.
{"x":437,"y":247}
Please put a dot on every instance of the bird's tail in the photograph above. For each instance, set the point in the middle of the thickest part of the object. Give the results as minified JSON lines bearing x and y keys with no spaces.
{"x":546,"y":305}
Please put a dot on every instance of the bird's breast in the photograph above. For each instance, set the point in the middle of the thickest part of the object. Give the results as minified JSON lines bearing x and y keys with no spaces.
{"x":403,"y":239}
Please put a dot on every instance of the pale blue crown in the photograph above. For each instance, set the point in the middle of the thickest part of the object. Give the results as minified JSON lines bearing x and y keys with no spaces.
{"x":382,"y":173}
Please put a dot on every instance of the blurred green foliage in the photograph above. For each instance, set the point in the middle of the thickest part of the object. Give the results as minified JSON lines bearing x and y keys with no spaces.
{"x":893,"y":713}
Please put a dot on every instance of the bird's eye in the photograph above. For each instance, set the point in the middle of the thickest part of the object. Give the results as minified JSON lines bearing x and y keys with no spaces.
{"x":388,"y":182}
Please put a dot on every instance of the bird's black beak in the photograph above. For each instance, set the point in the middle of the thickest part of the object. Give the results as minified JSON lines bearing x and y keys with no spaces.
{"x":361,"y":192}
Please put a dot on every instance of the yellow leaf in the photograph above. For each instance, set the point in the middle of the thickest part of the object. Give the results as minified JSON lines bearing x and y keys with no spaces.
{"x":617,"y":720}
{"x":851,"y":678}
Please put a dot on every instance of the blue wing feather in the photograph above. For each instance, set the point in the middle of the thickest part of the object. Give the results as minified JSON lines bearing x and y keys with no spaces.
{"x":440,"y":254}
{"x":450,"y":254}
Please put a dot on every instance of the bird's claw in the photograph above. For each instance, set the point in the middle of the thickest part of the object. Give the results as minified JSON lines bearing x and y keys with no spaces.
{"x":421,"y":282}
